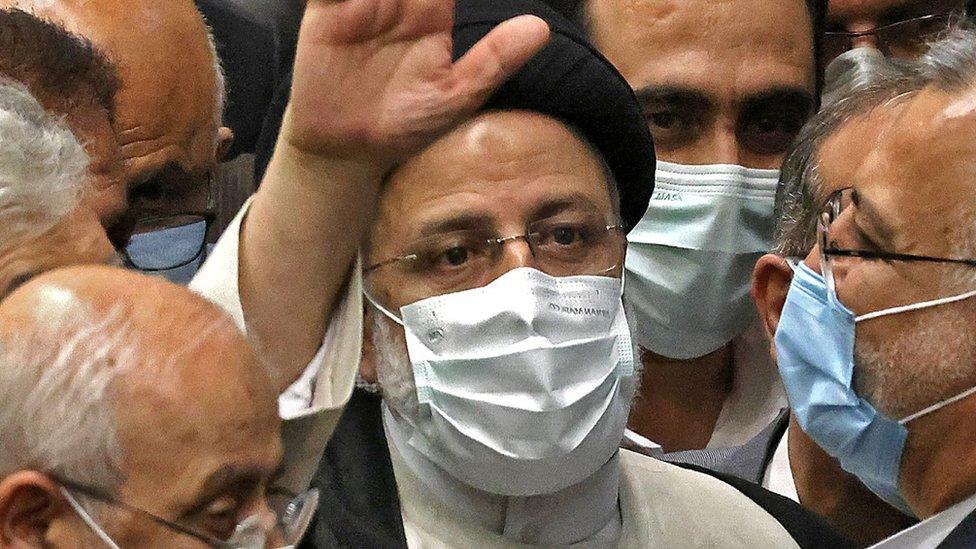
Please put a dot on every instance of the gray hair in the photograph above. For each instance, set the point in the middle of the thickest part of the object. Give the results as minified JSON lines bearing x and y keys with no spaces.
{"x":220,"y":78}
{"x":61,"y":383}
{"x":43,"y":167}
{"x":949,"y":65}
{"x":56,"y":415}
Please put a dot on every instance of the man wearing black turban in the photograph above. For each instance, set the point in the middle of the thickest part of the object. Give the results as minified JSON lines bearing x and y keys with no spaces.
{"x":492,"y":272}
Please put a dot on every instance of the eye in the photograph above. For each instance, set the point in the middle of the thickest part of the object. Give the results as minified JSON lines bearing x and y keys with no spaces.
{"x":770,"y":134}
{"x":672,"y":125}
{"x":768,"y":126}
{"x":566,"y":236}
{"x":456,"y":256}
{"x":220,"y":517}
{"x":663,"y":120}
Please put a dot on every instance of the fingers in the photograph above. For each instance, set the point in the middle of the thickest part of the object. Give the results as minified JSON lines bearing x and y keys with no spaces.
{"x":496,"y":57}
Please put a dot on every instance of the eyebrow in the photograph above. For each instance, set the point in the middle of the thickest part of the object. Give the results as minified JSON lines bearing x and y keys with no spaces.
{"x":684,"y":96}
{"x":560,"y":204}
{"x":482,"y":221}
{"x":463,"y":222}
{"x":785,"y":96}
{"x":876,"y":224}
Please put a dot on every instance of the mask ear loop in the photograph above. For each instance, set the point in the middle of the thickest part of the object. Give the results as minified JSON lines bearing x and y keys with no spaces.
{"x":938,"y":405}
{"x":386,"y":312}
{"x":88,"y":519}
{"x":916,"y":306}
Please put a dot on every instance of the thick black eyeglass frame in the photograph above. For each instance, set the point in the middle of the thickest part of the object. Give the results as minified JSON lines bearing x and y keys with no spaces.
{"x":824,"y":222}
{"x":209,"y":217}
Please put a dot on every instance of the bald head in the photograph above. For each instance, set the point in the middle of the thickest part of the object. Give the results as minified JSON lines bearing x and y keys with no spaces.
{"x":98,"y":364}
{"x":169,"y":106}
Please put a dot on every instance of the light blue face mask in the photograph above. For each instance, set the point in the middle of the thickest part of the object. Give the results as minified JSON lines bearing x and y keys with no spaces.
{"x":152,"y":251}
{"x":815,"y":353}
{"x":690,"y":259}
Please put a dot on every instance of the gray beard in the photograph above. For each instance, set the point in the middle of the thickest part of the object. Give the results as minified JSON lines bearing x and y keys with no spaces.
{"x":933,"y":359}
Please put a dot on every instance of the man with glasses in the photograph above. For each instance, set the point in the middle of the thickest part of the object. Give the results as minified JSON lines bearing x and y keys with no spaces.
{"x":793,"y":465}
{"x":496,"y":335}
{"x":874,"y":340}
{"x":167,"y":124}
{"x":866,"y":37}
{"x":135,"y":415}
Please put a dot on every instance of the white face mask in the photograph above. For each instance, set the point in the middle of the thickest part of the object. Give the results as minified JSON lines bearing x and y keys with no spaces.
{"x":690,"y":259}
{"x":525,"y":384}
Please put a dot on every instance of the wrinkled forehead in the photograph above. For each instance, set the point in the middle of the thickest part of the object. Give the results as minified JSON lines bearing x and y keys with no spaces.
{"x":166,"y":108}
{"x":501,"y":165}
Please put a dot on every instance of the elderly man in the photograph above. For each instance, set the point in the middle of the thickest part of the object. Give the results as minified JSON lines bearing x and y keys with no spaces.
{"x":724,"y":88}
{"x":872,"y":338}
{"x":135,"y":415}
{"x":72,"y":79}
{"x":167,"y":121}
{"x":792,"y":465}
{"x":43,"y":174}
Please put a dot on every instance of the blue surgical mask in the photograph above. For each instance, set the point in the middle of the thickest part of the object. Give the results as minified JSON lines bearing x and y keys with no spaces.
{"x":151,"y":251}
{"x":690,"y":259}
{"x":815,"y":352}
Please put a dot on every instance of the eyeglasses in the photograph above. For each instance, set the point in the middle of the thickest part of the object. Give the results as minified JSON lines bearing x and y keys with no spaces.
{"x":906,"y":39}
{"x":841,"y":239}
{"x":289,"y":518}
{"x":577,"y":243}
{"x":163,"y":242}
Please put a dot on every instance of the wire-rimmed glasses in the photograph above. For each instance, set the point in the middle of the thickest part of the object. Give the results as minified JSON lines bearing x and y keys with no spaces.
{"x":568,"y":244}
{"x":287,"y":521}
{"x":907,"y":39}
{"x":906,"y":278}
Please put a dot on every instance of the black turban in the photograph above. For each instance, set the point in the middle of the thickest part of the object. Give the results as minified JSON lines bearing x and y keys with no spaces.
{"x":568,"y":81}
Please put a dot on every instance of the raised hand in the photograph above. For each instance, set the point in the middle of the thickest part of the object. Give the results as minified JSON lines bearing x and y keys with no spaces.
{"x":374,"y":80}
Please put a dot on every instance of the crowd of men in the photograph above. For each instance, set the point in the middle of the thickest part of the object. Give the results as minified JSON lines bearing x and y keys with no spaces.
{"x":487,"y":273}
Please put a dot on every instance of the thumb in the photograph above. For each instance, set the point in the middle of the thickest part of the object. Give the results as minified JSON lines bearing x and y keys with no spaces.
{"x":496,"y":57}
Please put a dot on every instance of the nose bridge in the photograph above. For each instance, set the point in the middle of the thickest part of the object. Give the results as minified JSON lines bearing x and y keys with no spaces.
{"x":724,"y":147}
{"x":515,"y":252}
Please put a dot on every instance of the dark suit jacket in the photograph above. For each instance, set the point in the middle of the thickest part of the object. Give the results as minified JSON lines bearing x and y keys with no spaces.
{"x":249,"y":53}
{"x":748,"y":462}
{"x":359,"y":505}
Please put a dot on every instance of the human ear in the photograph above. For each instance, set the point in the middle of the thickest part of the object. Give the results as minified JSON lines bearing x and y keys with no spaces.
{"x":225,"y":138}
{"x":29,"y":502}
{"x":771,"y":280}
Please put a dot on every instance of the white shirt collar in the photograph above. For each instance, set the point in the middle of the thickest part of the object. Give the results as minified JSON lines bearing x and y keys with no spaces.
{"x":778,"y":477}
{"x":577,"y":513}
{"x":932,"y":531}
{"x":757,"y":395}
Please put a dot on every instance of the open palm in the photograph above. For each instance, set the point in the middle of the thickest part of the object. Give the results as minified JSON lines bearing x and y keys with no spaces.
{"x":374,"y":78}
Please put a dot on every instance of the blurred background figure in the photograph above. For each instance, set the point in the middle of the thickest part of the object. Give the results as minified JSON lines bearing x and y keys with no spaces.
{"x":868,"y":37}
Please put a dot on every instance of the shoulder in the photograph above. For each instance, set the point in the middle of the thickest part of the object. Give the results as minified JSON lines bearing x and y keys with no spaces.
{"x":710,"y":507}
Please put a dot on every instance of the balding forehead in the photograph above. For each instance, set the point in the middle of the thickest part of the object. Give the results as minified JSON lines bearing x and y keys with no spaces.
{"x":167,"y":108}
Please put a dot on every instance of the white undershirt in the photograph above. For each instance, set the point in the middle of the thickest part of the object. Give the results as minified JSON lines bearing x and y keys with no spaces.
{"x":778,"y":477}
{"x":932,"y":531}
